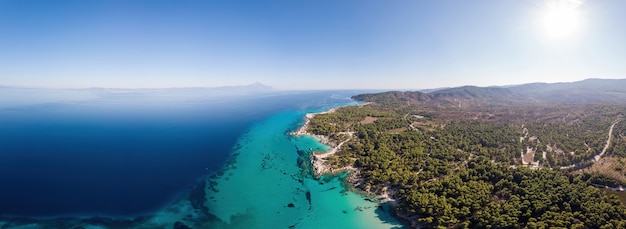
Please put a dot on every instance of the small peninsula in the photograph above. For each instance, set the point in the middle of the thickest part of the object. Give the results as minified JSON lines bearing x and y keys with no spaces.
{"x":528,"y":156}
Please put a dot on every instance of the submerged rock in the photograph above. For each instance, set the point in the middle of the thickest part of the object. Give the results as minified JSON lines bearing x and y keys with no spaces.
{"x":197,"y":196}
{"x":308,"y":196}
{"x":179,"y":225}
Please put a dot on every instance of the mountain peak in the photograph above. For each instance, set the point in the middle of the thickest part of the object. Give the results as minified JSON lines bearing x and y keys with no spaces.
{"x":259,"y":85}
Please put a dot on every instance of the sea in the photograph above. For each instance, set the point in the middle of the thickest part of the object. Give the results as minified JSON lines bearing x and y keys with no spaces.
{"x":176,"y":158}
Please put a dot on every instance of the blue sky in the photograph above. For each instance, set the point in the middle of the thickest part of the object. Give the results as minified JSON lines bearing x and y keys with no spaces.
{"x":294,"y":44}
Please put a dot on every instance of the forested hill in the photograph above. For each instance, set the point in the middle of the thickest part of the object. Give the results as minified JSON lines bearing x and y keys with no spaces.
{"x":526,"y":156}
{"x":605,"y":91}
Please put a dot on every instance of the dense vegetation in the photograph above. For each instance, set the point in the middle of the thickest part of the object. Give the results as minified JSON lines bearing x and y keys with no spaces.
{"x":487,"y":195}
{"x":619,"y":146}
{"x":481,"y":166}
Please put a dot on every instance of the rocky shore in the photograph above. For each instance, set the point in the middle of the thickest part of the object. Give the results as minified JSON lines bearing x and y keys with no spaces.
{"x":319,"y":161}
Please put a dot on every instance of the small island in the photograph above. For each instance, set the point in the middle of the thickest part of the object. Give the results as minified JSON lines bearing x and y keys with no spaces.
{"x":474,"y":157}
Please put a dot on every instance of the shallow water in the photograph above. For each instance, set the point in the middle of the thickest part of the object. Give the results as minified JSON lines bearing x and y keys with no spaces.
{"x":127,"y":156}
{"x":269,"y":185}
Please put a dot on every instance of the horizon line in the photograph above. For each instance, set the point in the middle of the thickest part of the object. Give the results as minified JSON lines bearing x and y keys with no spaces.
{"x":269,"y":87}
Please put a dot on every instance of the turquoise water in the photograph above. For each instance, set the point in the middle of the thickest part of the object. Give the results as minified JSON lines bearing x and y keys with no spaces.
{"x":266,"y":185}
{"x":232,"y":164}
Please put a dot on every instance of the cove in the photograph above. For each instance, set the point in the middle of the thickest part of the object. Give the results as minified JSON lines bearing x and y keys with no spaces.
{"x":268,"y":184}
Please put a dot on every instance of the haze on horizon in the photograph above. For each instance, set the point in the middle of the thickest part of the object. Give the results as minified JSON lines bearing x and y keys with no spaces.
{"x":350,"y":44}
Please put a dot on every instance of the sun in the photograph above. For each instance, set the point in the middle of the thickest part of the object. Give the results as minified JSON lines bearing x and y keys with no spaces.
{"x":561,"y":19}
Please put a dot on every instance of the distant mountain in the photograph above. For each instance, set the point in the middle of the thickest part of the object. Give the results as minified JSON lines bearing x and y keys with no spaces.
{"x":250,"y":87}
{"x":13,"y":96}
{"x":586,"y":91}
{"x":192,"y":93}
{"x":257,"y":86}
{"x":606,"y":91}
{"x":433,"y":89}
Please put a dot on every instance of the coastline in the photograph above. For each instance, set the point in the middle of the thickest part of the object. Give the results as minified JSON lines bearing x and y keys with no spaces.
{"x":319,"y":162}
{"x":319,"y":157}
{"x":354,"y":182}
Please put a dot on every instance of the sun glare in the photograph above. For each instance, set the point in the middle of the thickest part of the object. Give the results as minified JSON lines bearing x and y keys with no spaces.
{"x":561,"y":19}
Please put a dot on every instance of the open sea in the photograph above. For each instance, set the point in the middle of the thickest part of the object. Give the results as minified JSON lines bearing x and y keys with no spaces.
{"x":169,"y":159}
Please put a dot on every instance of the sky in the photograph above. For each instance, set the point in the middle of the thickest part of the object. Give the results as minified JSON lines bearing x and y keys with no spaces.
{"x":306,"y":44}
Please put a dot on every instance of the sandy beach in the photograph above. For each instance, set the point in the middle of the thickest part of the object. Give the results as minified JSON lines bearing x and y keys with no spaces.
{"x":319,"y":160}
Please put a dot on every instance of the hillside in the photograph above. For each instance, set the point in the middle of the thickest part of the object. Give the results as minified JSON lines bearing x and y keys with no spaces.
{"x":603,"y":91}
{"x":487,"y":157}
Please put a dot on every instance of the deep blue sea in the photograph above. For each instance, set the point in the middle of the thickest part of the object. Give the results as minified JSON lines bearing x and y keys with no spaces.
{"x":131,"y":153}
